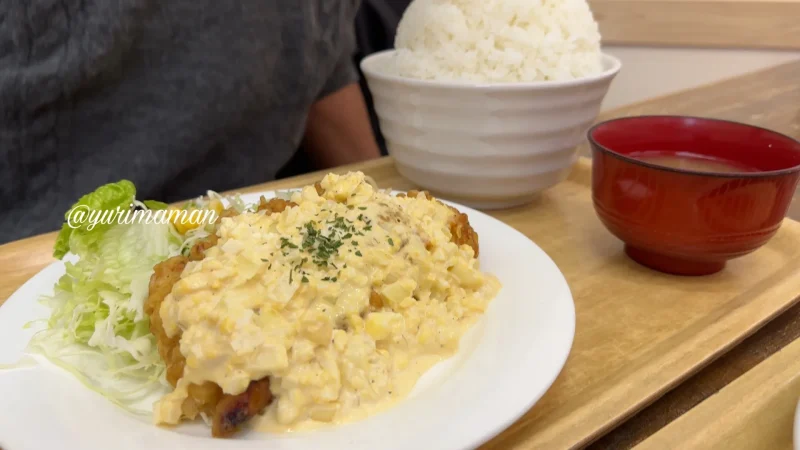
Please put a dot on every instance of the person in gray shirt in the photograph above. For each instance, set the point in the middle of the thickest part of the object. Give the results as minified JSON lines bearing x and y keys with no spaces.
{"x":178,"y":96}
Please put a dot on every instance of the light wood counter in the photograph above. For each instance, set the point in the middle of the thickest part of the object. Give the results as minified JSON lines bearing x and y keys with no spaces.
{"x":760,"y":24}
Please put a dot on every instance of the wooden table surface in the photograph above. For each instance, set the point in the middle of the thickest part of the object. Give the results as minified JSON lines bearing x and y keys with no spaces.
{"x":740,"y":24}
{"x":770,"y":98}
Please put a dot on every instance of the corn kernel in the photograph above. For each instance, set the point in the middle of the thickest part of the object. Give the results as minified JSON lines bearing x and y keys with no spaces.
{"x":228,"y":325}
{"x":180,"y":219}
{"x":216,"y":206}
{"x":381,"y":325}
{"x":191,"y":218}
{"x":356,"y":322}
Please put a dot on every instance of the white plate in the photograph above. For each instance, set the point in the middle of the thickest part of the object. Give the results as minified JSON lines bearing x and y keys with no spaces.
{"x":505,"y":363}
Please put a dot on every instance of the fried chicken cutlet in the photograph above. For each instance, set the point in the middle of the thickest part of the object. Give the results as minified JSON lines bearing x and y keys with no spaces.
{"x":227,"y":412}
{"x":460,"y":229}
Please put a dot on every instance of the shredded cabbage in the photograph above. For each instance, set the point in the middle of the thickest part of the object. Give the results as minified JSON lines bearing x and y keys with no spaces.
{"x":285,"y":194}
{"x":191,"y":237}
{"x":234,"y":201}
{"x":97,"y":329}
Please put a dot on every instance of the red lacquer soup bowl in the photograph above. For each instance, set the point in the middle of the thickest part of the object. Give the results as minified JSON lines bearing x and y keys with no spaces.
{"x":687,"y":194}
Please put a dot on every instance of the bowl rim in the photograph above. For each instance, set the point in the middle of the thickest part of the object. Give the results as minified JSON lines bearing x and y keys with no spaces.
{"x":638,"y":162}
{"x":612,"y":62}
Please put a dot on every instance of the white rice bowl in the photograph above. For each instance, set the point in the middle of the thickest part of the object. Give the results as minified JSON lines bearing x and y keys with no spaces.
{"x":497,"y":41}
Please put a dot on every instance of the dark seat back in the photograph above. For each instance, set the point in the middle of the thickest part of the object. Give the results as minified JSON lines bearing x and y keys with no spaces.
{"x":376,"y":25}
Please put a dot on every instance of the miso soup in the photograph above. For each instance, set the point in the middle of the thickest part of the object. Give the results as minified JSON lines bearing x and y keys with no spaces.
{"x":692,"y":162}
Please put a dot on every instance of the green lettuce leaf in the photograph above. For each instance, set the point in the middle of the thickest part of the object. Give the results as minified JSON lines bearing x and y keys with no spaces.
{"x":81,"y":230}
{"x":155,"y":205}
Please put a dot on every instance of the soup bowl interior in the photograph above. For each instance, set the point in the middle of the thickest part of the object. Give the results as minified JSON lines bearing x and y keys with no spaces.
{"x":688,"y":194}
{"x":751,"y":148}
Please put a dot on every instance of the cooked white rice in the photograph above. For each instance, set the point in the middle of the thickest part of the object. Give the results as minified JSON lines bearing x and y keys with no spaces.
{"x":497,"y":41}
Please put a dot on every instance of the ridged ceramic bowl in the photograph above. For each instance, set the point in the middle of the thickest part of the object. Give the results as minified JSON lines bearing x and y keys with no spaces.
{"x":686,"y":219}
{"x":488,"y":146}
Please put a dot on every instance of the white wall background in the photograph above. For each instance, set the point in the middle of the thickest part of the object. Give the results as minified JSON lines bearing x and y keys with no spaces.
{"x":649,"y":72}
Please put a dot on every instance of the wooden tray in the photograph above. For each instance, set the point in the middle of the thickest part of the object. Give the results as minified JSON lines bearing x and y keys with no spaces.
{"x":755,"y":412}
{"x":639,"y":332}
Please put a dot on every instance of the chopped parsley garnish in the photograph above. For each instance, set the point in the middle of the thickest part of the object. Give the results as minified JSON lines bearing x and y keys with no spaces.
{"x":285,"y":242}
{"x":363,"y":208}
{"x":391,"y":242}
{"x":322,"y":245}
{"x":264,"y":260}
